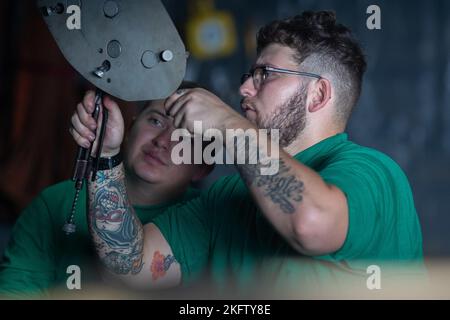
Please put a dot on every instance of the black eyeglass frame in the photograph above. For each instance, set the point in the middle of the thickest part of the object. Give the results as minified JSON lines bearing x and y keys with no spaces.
{"x":251,"y":73}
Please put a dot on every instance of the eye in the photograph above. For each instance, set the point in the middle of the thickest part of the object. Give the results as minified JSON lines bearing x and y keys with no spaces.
{"x":268,"y":75}
{"x":155,"y":122}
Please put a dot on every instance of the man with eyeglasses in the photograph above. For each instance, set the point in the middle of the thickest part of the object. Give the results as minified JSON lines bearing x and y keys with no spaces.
{"x":333,"y":209}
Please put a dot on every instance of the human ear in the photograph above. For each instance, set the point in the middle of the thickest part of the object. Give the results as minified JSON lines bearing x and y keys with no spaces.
{"x":320,"y":91}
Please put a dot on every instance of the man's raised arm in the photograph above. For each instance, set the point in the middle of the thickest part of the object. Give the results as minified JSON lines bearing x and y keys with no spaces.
{"x":118,"y":235}
{"x":309,"y":213}
{"x":126,"y":248}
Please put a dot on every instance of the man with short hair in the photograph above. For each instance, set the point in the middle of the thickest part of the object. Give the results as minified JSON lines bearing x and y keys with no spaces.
{"x":39,"y":253}
{"x":332,"y":209}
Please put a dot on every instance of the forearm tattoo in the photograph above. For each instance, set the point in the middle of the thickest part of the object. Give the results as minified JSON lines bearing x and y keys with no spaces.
{"x":282,"y":188}
{"x":116,"y":231}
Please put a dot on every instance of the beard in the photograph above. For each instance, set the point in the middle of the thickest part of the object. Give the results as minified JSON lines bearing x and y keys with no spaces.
{"x":289,"y":118}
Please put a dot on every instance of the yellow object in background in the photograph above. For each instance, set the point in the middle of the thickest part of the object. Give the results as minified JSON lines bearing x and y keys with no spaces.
{"x":210,"y":33}
{"x":250,"y":39}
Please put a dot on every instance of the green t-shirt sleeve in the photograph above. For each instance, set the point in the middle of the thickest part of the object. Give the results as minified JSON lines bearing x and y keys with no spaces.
{"x":382,"y":217}
{"x":186,"y":228}
{"x":28,"y":263}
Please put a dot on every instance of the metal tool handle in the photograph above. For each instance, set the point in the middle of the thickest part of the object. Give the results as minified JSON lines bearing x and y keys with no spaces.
{"x":100,"y":145}
{"x":83,"y":166}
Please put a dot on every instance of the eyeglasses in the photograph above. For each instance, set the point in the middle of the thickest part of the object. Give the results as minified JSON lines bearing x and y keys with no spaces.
{"x":260,"y":73}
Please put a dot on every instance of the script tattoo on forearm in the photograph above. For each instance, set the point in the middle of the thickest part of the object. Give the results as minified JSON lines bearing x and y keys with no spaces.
{"x":116,"y":231}
{"x":283,"y":187}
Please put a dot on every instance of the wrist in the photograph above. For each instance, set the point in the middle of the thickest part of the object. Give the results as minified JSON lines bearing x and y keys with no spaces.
{"x":106,"y":162}
{"x":109,"y":153}
{"x":236,"y":121}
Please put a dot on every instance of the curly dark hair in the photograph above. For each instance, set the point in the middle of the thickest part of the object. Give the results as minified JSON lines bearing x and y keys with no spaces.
{"x":322,"y":46}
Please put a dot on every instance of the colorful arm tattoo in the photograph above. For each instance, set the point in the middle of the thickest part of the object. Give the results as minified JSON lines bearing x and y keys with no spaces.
{"x":116,"y":231}
{"x":160,"y":264}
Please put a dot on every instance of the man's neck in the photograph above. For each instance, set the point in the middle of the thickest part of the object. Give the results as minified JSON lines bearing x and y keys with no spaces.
{"x":308,"y":139}
{"x":144,"y":193}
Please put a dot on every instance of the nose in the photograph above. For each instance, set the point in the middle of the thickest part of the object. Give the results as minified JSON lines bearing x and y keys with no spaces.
{"x":247,"y":89}
{"x":162,"y":139}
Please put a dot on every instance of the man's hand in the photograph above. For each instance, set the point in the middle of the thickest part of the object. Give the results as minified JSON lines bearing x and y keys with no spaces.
{"x":84,"y":127}
{"x":189,"y":105}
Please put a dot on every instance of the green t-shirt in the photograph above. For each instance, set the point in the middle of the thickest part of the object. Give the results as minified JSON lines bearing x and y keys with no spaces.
{"x":39,"y":251}
{"x":223,"y":232}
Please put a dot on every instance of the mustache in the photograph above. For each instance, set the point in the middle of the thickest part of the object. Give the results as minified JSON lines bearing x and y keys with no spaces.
{"x":247,"y":104}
